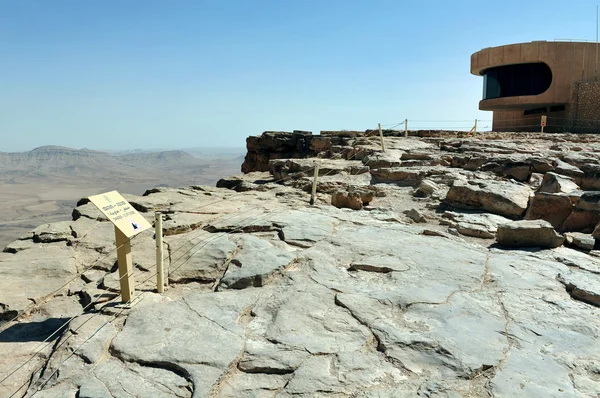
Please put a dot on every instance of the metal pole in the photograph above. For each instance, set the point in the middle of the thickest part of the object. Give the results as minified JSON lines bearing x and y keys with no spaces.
{"x":381,"y":137}
{"x":313,"y":196}
{"x":158,"y":231}
{"x":596,"y":42}
{"x":405,"y":128}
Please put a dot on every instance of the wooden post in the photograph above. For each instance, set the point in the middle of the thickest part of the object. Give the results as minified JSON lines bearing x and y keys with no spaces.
{"x":158,"y":232}
{"x":405,"y":128}
{"x":381,"y":137}
{"x":313,"y":196}
{"x":125,"y":262}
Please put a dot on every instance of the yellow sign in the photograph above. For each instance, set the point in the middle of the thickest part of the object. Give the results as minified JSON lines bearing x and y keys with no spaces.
{"x":543,"y":121}
{"x":120,"y":213}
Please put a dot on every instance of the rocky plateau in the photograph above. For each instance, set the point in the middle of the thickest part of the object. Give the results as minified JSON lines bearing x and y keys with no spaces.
{"x":444,"y":266}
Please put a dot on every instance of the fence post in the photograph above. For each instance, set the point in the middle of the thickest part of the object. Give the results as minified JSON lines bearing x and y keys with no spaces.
{"x":125,"y":263}
{"x":405,"y":128}
{"x":313,"y":195}
{"x":158,"y":233}
{"x":381,"y":137}
{"x":475,"y":129}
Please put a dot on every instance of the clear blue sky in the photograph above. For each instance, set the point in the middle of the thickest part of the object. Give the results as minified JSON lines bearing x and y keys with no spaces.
{"x":175,"y":74}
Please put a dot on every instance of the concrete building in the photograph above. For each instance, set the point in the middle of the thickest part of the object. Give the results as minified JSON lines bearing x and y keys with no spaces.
{"x":522,"y":82}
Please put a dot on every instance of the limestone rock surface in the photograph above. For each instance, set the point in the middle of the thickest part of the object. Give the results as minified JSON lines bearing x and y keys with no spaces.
{"x":498,"y":197}
{"x":271,"y":296}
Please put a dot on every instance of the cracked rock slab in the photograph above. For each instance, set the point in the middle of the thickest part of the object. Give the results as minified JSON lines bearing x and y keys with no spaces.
{"x":198,"y":256}
{"x":34,"y":274}
{"x":303,"y":228}
{"x":255,"y":261}
{"x":170,"y":331}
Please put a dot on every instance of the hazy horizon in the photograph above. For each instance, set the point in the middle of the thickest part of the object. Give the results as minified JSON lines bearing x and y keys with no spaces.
{"x":207,"y":148}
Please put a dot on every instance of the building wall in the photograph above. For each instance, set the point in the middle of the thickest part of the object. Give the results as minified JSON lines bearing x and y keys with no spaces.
{"x":575,"y":71}
{"x":584,"y":113}
{"x":556,"y":122}
{"x":569,"y":62}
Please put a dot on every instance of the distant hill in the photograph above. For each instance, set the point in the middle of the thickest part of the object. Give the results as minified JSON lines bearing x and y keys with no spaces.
{"x":56,"y":162}
{"x":159,"y":159}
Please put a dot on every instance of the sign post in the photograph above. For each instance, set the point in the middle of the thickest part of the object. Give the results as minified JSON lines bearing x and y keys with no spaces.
{"x":543,"y":122}
{"x":124,"y":259}
{"x":128,"y":223}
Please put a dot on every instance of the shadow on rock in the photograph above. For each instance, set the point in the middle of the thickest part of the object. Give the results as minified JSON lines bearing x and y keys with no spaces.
{"x":33,"y":331}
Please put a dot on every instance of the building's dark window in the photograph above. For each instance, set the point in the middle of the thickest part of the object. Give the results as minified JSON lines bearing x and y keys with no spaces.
{"x":535,"y":111}
{"x":557,"y":108}
{"x":516,"y":80}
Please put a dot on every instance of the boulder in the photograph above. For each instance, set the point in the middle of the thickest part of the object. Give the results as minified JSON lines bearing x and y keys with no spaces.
{"x":568,"y":170}
{"x":582,"y":241}
{"x":540,"y":165}
{"x":555,"y":183}
{"x":504,"y":198}
{"x":535,"y":181}
{"x":520,"y":171}
{"x":426,"y":188}
{"x":591,"y":178}
{"x":349,"y":200}
{"x":475,"y":163}
{"x":551,"y":207}
{"x":415,"y":215}
{"x":529,"y":233}
{"x":585,"y":215}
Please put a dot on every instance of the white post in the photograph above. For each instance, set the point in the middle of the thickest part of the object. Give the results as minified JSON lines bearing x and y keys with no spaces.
{"x":475,"y":129}
{"x":313,"y":196}
{"x":381,"y":137}
{"x":158,"y":231}
{"x":405,"y":128}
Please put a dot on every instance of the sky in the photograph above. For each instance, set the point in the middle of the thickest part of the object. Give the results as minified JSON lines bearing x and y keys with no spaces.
{"x":106,"y":74}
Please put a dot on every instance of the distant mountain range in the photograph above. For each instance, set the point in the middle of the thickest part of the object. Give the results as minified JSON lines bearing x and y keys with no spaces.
{"x":62,"y":162}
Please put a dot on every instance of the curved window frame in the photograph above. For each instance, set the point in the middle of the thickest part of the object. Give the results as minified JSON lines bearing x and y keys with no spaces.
{"x":516,"y":80}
